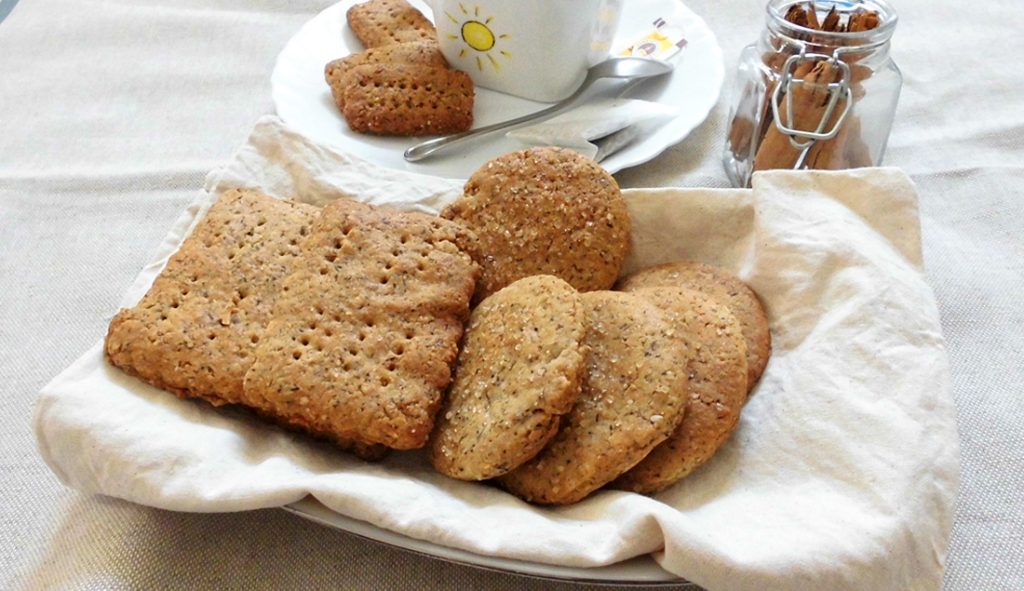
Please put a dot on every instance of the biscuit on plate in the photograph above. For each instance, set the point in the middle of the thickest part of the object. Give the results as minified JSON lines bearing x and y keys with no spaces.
{"x":727,"y":289}
{"x":408,"y":100}
{"x":386,"y":22}
{"x":545,"y":211}
{"x":424,"y":53}
{"x":194,"y":333}
{"x":717,"y":387}
{"x":363,"y":335}
{"x":634,"y":396}
{"x":518,"y":372}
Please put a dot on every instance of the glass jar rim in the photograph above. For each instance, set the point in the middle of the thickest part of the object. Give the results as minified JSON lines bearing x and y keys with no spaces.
{"x":776,"y":14}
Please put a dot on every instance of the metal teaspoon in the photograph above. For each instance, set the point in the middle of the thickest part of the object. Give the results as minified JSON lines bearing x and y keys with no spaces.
{"x":625,"y":68}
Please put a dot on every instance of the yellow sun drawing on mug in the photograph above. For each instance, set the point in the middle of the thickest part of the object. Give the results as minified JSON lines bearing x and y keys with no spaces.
{"x":476,"y":32}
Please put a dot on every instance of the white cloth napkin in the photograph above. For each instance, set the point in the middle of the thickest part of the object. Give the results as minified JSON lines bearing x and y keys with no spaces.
{"x":842,"y":474}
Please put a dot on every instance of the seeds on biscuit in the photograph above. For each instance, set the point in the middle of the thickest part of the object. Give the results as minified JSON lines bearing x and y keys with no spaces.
{"x":725,"y":288}
{"x":518,"y":372}
{"x":363,"y":335}
{"x":634,"y":396}
{"x":193,"y":333}
{"x":545,"y":211}
{"x":387,"y":22}
{"x":196,"y":331}
{"x":717,"y":388}
{"x":408,"y":100}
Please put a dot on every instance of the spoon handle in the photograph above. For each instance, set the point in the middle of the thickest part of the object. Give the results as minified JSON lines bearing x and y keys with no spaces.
{"x":425,"y":149}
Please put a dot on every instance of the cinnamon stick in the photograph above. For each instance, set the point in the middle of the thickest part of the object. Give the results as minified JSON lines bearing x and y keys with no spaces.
{"x":831,"y":154}
{"x":863,"y":21}
{"x":809,"y":103}
{"x":797,"y":15}
{"x":812,"y":17}
{"x":831,"y":22}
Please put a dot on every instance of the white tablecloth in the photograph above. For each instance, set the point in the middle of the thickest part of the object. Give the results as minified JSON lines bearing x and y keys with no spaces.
{"x":112,"y":112}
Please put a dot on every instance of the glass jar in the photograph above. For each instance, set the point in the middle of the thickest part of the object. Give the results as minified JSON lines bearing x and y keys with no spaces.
{"x":816,"y":91}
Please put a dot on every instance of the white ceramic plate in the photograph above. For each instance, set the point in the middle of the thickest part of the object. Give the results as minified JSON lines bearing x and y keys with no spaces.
{"x":303,"y":100}
{"x":639,"y":571}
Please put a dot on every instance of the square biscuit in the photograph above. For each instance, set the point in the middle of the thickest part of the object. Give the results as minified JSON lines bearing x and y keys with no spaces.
{"x":407,"y":100}
{"x":425,"y":53}
{"x":386,"y":22}
{"x":195,"y":331}
{"x":364,"y":333}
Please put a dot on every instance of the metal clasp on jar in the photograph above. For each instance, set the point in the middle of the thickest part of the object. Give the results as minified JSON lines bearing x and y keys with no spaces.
{"x":803,"y":139}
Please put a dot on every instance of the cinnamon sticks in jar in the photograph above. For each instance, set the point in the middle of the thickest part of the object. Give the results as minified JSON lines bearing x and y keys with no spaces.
{"x":823,"y":35}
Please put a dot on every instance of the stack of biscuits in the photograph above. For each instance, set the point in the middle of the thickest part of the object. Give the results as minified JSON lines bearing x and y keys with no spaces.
{"x":400,"y":84}
{"x":341,"y":322}
{"x":491,"y":334}
{"x":563,"y":385}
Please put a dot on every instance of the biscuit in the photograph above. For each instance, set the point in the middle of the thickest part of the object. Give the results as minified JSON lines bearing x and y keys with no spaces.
{"x":409,"y":100}
{"x":727,"y":289}
{"x":364,"y":332}
{"x":545,"y":211}
{"x":425,"y":53}
{"x":634,"y":396}
{"x":194,"y":332}
{"x":717,"y":387}
{"x":386,"y":22}
{"x":519,"y":370}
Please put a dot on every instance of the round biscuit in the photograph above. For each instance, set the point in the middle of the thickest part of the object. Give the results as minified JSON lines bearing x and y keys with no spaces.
{"x":519,"y":370}
{"x":633,"y":398}
{"x":727,"y":289}
{"x":545,"y":211}
{"x":717,"y":387}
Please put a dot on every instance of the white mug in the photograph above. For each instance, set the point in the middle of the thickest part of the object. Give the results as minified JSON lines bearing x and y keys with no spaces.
{"x":536,"y":49}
